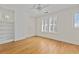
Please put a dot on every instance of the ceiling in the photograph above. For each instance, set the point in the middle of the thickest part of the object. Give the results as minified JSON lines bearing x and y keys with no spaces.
{"x":28,"y":9}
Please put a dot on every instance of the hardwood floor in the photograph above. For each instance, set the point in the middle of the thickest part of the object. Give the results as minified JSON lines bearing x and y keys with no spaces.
{"x":38,"y":45}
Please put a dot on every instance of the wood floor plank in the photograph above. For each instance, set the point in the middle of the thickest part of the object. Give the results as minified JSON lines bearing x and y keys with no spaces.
{"x":39,"y":45}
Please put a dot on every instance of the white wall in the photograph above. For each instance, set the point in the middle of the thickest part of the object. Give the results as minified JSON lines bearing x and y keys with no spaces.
{"x":24,"y":25}
{"x":65,"y":30}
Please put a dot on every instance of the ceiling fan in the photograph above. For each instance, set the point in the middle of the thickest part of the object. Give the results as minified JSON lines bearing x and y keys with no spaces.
{"x":41,"y":8}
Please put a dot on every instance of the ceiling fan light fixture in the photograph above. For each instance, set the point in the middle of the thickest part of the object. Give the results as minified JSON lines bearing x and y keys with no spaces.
{"x":41,"y":8}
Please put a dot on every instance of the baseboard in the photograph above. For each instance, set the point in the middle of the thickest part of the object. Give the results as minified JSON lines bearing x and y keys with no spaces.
{"x":24,"y":38}
{"x":57,"y":40}
{"x":6,"y":41}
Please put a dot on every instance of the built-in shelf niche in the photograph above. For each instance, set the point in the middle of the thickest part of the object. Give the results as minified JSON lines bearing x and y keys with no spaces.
{"x":6,"y":24}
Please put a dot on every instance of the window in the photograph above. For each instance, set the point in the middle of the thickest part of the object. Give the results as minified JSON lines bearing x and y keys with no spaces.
{"x":51,"y":28}
{"x":52,"y":24}
{"x":44,"y":25}
{"x":76,"y":21}
{"x":49,"y":24}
